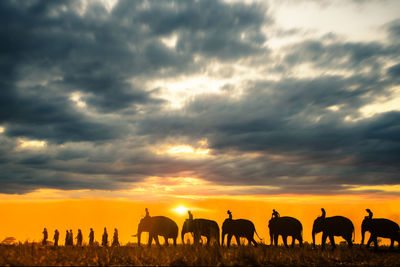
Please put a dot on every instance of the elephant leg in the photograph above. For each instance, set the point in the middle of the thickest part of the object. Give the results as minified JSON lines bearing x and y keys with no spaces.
{"x":237,"y":239}
{"x":391,"y":243}
{"x":156,"y":239}
{"x":150,"y":240}
{"x":293,"y":240}
{"x":284,"y":237}
{"x":251,"y":240}
{"x":349,"y":241}
{"x":323,"y":241}
{"x":166,"y":240}
{"x":276,"y":237}
{"x":332,"y":239}
{"x":300,"y":238}
{"x":370,"y":240}
{"x":208,"y":240}
{"x":376,"y":242}
{"x":228,"y":240}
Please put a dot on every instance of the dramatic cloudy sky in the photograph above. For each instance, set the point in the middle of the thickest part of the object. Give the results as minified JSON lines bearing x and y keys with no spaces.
{"x":200,"y":97}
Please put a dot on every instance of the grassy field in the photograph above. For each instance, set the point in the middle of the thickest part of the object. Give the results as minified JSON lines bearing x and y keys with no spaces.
{"x":34,"y":254}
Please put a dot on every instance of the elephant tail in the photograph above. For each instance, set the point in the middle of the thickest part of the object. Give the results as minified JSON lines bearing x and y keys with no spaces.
{"x":354,"y":235}
{"x":257,"y":234}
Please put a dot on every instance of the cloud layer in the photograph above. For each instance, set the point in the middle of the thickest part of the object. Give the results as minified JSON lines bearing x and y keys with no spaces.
{"x":87,"y":99}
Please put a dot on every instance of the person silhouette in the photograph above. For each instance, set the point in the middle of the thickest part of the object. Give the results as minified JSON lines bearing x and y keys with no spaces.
{"x":104,"y":240}
{"x":190,"y":215}
{"x":66,"y":238}
{"x":71,"y":238}
{"x":147,"y":212}
{"x":230,"y":214}
{"x":115,"y":242}
{"x":55,"y":238}
{"x":275,"y":214}
{"x":45,"y":236}
{"x":91,"y":237}
{"x":370,"y":214}
{"x":79,"y":238}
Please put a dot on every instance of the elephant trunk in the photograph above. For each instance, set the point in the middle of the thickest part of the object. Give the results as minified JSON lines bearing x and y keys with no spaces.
{"x":363,"y":230}
{"x":313,"y":237}
{"x":271,"y":236}
{"x":139,"y":234}
{"x":183,"y":236}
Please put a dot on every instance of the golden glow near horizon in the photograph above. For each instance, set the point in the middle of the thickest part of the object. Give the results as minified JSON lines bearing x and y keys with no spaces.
{"x":30,"y":144}
{"x":181,"y":210}
{"x":2,"y":129}
{"x":125,"y":215}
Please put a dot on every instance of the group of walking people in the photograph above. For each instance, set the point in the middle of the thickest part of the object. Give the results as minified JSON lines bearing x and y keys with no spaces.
{"x":69,"y":238}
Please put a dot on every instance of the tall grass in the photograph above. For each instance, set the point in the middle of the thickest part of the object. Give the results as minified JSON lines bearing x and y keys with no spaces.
{"x":35,"y":254}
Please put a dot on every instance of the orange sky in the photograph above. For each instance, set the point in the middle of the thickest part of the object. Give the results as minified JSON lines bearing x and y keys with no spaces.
{"x":25,"y":218}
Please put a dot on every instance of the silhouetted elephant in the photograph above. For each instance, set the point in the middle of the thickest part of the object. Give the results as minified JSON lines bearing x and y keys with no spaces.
{"x":238,"y":228}
{"x":380,"y":228}
{"x":285,"y":226}
{"x":200,"y":227}
{"x":155,"y":226}
{"x":333,"y":226}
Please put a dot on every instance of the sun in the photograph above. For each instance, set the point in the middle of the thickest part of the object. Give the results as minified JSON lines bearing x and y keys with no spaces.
{"x":180,"y":210}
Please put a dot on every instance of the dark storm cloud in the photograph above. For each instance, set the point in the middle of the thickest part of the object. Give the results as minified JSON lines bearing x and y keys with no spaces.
{"x":282,"y":133}
{"x":291,"y":118}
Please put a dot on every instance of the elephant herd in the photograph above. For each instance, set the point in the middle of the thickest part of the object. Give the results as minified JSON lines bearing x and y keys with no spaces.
{"x":278,"y":226}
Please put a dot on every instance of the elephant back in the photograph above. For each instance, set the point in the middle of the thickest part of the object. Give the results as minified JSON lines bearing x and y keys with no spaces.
{"x":384,"y":227}
{"x":205,"y":225}
{"x":240,"y":226}
{"x":339,"y":224}
{"x":285,"y":225}
{"x":164,"y":226}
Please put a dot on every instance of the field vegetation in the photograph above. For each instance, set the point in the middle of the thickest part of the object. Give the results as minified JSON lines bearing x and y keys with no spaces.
{"x":36,"y":254}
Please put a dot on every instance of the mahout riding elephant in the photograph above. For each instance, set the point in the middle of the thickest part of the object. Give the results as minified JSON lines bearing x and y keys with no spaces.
{"x":333,"y":226}
{"x":379,"y":227}
{"x":238,"y":228}
{"x":285,"y":226}
{"x":199,"y":228}
{"x":155,"y":226}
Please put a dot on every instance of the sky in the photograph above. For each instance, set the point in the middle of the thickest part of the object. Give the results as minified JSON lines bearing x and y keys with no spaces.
{"x":195,"y":103}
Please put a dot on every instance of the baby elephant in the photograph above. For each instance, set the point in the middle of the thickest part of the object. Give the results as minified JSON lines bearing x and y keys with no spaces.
{"x":285,"y":226}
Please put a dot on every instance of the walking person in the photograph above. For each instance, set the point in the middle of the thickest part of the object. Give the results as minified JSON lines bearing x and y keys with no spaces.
{"x":66,"y":238}
{"x":91,"y":237}
{"x":71,"y":238}
{"x":115,"y":242}
{"x":45,"y":236}
{"x":79,"y":238}
{"x":55,"y":238}
{"x":104,"y":240}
